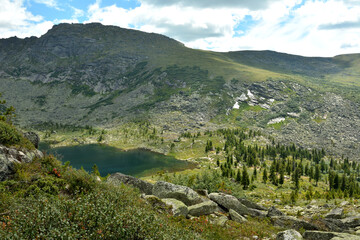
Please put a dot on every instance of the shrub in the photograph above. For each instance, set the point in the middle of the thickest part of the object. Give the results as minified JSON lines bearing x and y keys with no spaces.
{"x":79,"y":181}
{"x":9,"y":136}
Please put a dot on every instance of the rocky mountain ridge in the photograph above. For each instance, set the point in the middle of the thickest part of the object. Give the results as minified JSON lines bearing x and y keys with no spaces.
{"x":90,"y":74}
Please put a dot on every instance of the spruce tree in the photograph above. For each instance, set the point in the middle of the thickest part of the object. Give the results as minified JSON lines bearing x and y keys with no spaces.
{"x":245,"y":181}
{"x":265,"y":175}
{"x":281,"y":179}
{"x":273,"y":174}
{"x":317,"y":174}
{"x":238,"y":176}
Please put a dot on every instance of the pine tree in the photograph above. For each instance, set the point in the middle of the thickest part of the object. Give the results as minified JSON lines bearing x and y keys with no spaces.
{"x":296,"y":178}
{"x":265,"y":175}
{"x":281,"y":179}
{"x":343,"y":183}
{"x":336,"y":181}
{"x":317,"y":174}
{"x":273,"y":174}
{"x":245,"y":181}
{"x":238,"y":176}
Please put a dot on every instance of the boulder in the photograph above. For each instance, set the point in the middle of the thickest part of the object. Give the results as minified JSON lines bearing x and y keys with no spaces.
{"x":251,"y":204}
{"x":318,"y":235}
{"x":332,"y":225}
{"x":118,"y":178}
{"x":157,"y":204}
{"x":290,"y":234}
{"x":256,"y":213}
{"x":178,"y":207}
{"x":204,"y":208}
{"x":292,"y":222}
{"x":273,"y":211}
{"x":229,"y":202}
{"x":33,"y":138}
{"x":10,"y":156}
{"x":220,"y":221}
{"x":168,"y":190}
{"x":236,"y":217}
{"x":202,"y":192}
{"x":351,"y":222}
{"x":336,"y":213}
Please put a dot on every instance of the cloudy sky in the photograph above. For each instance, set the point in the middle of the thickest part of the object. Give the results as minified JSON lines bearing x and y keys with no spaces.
{"x":304,"y":27}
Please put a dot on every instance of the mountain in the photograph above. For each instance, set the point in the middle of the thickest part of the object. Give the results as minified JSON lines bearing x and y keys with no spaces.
{"x":90,"y":74}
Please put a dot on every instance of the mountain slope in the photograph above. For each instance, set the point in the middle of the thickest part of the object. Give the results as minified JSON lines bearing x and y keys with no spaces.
{"x":99,"y":75}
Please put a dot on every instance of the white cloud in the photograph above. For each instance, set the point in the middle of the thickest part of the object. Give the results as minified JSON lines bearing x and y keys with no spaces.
{"x":215,"y":4}
{"x":16,"y":20}
{"x":49,"y":3}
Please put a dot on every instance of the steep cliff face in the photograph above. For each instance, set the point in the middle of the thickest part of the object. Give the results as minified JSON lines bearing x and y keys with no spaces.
{"x":90,"y":74}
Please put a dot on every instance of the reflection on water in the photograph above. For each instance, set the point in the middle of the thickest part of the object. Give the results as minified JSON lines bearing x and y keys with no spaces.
{"x":109,"y":159}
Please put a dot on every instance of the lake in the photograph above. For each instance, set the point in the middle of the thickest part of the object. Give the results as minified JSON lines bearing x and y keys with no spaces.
{"x":137,"y":162}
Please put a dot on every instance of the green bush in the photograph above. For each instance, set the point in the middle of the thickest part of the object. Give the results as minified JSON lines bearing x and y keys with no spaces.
{"x":79,"y":181}
{"x":9,"y":136}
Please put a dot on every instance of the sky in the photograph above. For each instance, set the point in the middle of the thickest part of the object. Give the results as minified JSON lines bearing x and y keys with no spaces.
{"x":304,"y":27}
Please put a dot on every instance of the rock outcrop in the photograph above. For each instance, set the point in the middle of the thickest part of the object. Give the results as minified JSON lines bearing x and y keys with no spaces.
{"x":178,"y":207}
{"x":204,"y":208}
{"x":273,"y":211}
{"x":290,"y":234}
{"x":33,"y":138}
{"x":118,"y":178}
{"x":292,"y":222}
{"x":168,"y":190}
{"x":317,"y":235}
{"x":10,"y":156}
{"x":229,"y":202}
{"x":336,"y":213}
{"x":221,"y":207}
{"x":236,"y":217}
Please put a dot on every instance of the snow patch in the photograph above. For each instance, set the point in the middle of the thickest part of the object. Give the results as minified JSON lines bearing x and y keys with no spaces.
{"x":264,"y":105}
{"x":251,"y":96}
{"x":236,"y":106}
{"x":276,"y":120}
{"x":243,"y":97}
{"x":292,"y":114}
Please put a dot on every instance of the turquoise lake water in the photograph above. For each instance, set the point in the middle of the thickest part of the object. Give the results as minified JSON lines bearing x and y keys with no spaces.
{"x":137,"y":162}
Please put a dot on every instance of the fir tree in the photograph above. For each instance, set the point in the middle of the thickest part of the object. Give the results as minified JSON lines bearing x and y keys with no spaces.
{"x":245,"y":180}
{"x":265,"y":175}
{"x":317,"y":174}
{"x":238,"y":176}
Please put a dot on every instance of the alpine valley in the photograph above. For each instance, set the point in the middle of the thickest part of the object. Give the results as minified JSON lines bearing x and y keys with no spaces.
{"x":253,"y":144}
{"x":106,"y":76}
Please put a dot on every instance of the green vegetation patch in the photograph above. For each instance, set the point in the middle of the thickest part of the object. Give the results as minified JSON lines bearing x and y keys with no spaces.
{"x":10,"y":136}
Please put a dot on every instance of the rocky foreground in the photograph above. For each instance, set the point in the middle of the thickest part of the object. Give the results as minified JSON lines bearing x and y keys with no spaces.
{"x":220,"y":208}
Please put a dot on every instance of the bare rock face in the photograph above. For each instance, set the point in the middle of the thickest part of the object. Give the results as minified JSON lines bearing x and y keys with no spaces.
{"x":10,"y":156}
{"x":182,"y":193}
{"x":118,"y":178}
